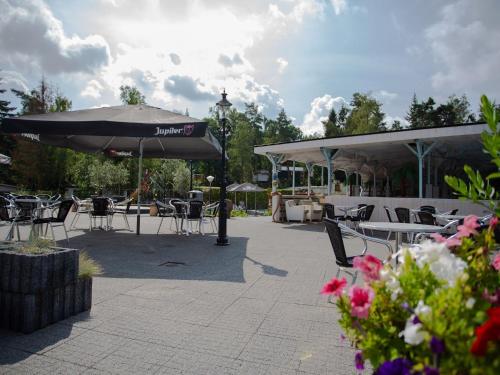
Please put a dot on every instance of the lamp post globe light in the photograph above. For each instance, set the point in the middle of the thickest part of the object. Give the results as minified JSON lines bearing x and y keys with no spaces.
{"x":222,"y":109}
{"x":210,"y":179}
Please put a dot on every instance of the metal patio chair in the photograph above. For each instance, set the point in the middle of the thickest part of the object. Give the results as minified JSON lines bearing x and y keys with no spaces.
{"x":12,"y":215}
{"x":211,"y":213}
{"x":61,"y":211}
{"x":82,"y":208}
{"x":344,"y":262}
{"x":194,"y":213}
{"x":102,"y":208}
{"x":164,"y":210}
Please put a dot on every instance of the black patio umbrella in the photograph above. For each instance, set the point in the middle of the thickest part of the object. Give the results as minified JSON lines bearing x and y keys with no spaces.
{"x":127,"y":130}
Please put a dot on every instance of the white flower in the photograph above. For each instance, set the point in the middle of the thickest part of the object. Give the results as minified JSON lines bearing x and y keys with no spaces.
{"x":470,"y":303}
{"x":391,"y":282}
{"x":442,"y":263}
{"x":422,"y":310}
{"x":412,"y":332}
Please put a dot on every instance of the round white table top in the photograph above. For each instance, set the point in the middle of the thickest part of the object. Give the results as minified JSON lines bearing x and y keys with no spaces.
{"x":400,"y":227}
{"x":449,"y":217}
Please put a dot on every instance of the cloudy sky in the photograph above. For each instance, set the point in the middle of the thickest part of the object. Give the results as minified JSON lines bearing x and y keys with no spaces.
{"x":303,"y":55}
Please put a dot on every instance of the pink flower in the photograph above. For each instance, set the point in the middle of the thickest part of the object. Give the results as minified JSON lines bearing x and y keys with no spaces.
{"x":450,"y":242}
{"x":361,"y":300}
{"x":369,"y":265}
{"x":496,"y":262}
{"x":334,"y":286}
{"x":469,"y":226}
{"x":493,"y":222}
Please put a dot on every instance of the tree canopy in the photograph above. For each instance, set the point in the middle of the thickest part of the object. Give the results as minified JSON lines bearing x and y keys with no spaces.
{"x":131,"y":95}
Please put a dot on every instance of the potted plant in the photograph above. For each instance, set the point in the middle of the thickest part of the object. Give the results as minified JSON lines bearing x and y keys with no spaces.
{"x":42,"y":284}
{"x":438,"y":312}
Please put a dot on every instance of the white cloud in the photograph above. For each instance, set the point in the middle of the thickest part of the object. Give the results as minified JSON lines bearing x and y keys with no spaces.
{"x":175,"y":58}
{"x":189,"y":88}
{"x":92,"y":90}
{"x":228,"y":62}
{"x":32,"y":35}
{"x":385,"y":96}
{"x":13,"y":80}
{"x":465,"y":43}
{"x":339,"y":6}
{"x":320,"y":109}
{"x":282,"y":64}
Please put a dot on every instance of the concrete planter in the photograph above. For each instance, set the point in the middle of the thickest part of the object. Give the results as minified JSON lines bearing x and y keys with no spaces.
{"x":40,"y":289}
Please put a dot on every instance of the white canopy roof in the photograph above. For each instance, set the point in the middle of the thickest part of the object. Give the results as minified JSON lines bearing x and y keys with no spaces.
{"x":380,"y":152}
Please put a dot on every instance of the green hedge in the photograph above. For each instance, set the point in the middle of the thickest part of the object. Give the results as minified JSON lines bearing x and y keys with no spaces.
{"x":261,"y":197}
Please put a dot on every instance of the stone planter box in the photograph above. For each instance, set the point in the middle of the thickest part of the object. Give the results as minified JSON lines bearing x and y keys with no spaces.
{"x":40,"y":289}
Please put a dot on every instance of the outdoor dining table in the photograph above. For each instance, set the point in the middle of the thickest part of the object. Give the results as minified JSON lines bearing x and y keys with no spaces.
{"x":400,"y":228}
{"x":38,"y":209}
{"x":346,"y":209}
{"x":449,"y":217}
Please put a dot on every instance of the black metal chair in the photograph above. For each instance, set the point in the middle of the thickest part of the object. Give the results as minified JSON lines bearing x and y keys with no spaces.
{"x":211,"y":212}
{"x":62,"y":210}
{"x":403,"y":214}
{"x":194,"y":213}
{"x":180,"y":210}
{"x":388,"y":213}
{"x":344,"y":262}
{"x":101,"y":208}
{"x":330,"y":212}
{"x":358,"y":215}
{"x":430,"y":209}
{"x":426,"y":218}
{"x":164,"y":210}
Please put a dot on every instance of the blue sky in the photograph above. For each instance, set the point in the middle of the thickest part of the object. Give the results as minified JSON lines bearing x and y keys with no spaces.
{"x":303,"y":55}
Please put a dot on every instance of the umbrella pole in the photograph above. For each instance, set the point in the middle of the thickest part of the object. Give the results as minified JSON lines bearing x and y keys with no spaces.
{"x":139,"y":175}
{"x":254,"y":203}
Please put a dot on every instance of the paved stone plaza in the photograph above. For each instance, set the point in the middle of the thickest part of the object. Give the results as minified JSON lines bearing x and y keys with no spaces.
{"x":249,"y":308}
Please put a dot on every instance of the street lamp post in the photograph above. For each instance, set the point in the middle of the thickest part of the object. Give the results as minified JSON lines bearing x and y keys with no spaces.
{"x":210,"y":179}
{"x":222,"y":108}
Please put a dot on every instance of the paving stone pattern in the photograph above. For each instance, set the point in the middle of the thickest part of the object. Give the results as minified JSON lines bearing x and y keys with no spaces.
{"x":249,"y":308}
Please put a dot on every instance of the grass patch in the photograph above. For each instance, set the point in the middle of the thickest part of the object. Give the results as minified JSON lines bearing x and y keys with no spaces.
{"x":34,"y":246}
{"x":88,"y":266}
{"x":239,"y":213}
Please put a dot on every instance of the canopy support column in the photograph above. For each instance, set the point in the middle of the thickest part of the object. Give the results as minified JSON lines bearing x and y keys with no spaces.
{"x":139,"y":178}
{"x":347,"y":182}
{"x":275,"y":160}
{"x":329,"y":155}
{"x":309,"y":167}
{"x":421,"y":150}
{"x":293,"y":179}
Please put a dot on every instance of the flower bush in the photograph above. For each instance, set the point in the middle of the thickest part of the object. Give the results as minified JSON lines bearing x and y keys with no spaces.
{"x":438,"y":310}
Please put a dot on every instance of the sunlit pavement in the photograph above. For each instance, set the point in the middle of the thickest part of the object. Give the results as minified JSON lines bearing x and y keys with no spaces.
{"x":176,"y":304}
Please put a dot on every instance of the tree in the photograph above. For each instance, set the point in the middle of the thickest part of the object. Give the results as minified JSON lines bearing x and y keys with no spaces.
{"x":365,"y":115}
{"x":332,"y":125}
{"x":106,"y":175}
{"x":36,"y":166}
{"x":181,"y":179}
{"x":131,"y":95}
{"x":240,"y":148}
{"x":281,"y":130}
{"x":425,"y":114}
{"x":396,"y":125}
